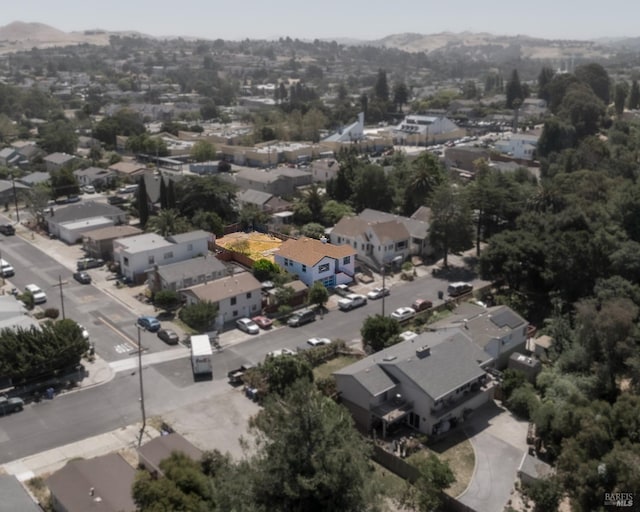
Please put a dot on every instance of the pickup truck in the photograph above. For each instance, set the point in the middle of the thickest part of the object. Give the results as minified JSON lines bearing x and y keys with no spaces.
{"x":235,"y":376}
{"x":351,"y":301}
{"x":9,"y":405}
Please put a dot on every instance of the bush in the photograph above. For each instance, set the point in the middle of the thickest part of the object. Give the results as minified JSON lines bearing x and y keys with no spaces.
{"x":52,"y":313}
{"x":166,"y":299}
{"x":523,"y":401}
{"x":199,"y":316}
{"x":27,"y":299}
{"x":407,"y":266}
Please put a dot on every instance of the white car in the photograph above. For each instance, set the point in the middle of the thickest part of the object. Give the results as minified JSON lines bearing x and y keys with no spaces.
{"x":378,"y":293}
{"x":351,"y":301}
{"x":247,"y":325}
{"x":281,"y":352}
{"x":401,"y":314}
{"x":317,"y":342}
{"x":89,"y":189}
{"x":85,"y":333}
{"x":38,"y":295}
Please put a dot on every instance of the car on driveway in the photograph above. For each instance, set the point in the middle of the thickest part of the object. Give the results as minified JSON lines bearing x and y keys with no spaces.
{"x":421,"y":304}
{"x":85,"y":263}
{"x":318,"y":342}
{"x":402,"y":314}
{"x":149,"y":323}
{"x":342,"y":290}
{"x":82,"y":277}
{"x":168,"y":336}
{"x":263,"y":322}
{"x":352,"y":301}
{"x":378,"y":293}
{"x":281,"y":352}
{"x":89,"y":189}
{"x":247,"y":325}
{"x":7,"y":229}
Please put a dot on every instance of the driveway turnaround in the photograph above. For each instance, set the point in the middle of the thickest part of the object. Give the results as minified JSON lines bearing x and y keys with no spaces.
{"x":499,"y":442}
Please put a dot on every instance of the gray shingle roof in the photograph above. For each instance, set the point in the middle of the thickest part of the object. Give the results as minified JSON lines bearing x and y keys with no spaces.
{"x":35,"y":177}
{"x":189,"y":268}
{"x":14,"y":496}
{"x":454,"y":360}
{"x":58,"y":158}
{"x":253,"y":196}
{"x":416,"y":228}
{"x":191,"y":236}
{"x":85,"y":210}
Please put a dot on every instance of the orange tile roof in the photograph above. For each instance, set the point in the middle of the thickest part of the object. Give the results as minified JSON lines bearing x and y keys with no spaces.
{"x":310,"y":251}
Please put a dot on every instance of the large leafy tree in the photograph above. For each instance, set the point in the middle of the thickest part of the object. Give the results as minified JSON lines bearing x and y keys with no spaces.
{"x":124,"y":122}
{"x":203,"y":151}
{"x":200,"y":316}
{"x":283,"y":371}
{"x":310,"y":458}
{"x":434,"y":476}
{"x":58,"y":136}
{"x":582,"y":108}
{"x":318,"y":294}
{"x":168,"y":222}
{"x":64,"y":183}
{"x":208,"y":193}
{"x":142,"y":200}
{"x":379,"y":332}
{"x":514,"y":90}
{"x":596,"y":77}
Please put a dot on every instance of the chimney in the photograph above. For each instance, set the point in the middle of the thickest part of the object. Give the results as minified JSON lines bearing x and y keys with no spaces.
{"x":324,"y":239}
{"x":423,"y":351}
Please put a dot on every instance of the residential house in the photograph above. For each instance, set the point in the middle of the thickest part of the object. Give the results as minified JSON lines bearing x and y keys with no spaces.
{"x":280,"y":182}
{"x":425,"y":130}
{"x":184,"y":274}
{"x":300,"y":292}
{"x":418,"y":229}
{"x":34,"y":178}
{"x":464,"y":158}
{"x":29,"y":151}
{"x":152,"y":453}
{"x":9,"y":190}
{"x":127,"y":170}
{"x":316,"y":260}
{"x":264,"y":201}
{"x":236,"y":296}
{"x":376,"y":243}
{"x":429,"y":383}
{"x":138,"y":254}
{"x":9,"y":157}
{"x":497,"y":330}
{"x":56,"y":161}
{"x":13,"y":314}
{"x":324,"y":169}
{"x":101,"y":483}
{"x":521,"y":146}
{"x":15,"y":497}
{"x":98,"y":243}
{"x":153,"y":180}
{"x":70,"y":222}
{"x":95,"y":176}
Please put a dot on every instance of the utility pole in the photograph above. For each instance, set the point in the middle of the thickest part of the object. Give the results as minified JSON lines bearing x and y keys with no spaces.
{"x":383,"y":289}
{"x":144,"y":415}
{"x":60,"y":284}
{"x":1,"y":272}
{"x":15,"y":198}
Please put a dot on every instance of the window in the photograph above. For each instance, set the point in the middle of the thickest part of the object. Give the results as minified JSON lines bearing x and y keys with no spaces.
{"x":233,"y":301}
{"x":346,"y":260}
{"x":234,"y":312}
{"x":168,"y":255}
{"x":126,"y":261}
{"x":323,"y":268}
{"x":248,"y":295}
{"x":304,"y":268}
{"x":401,"y":245}
{"x":152,"y":260}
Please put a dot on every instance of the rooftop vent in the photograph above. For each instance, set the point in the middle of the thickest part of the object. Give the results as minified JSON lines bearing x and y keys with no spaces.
{"x":390,"y":358}
{"x":423,"y":351}
{"x":324,"y":239}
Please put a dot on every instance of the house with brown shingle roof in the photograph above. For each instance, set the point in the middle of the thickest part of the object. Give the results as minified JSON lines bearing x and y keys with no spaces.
{"x":127,"y":169}
{"x":317,"y":260}
{"x":375,"y":242}
{"x":236,"y":296}
{"x":98,"y":243}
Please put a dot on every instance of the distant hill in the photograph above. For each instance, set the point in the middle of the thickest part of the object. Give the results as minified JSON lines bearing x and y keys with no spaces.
{"x":19,"y":36}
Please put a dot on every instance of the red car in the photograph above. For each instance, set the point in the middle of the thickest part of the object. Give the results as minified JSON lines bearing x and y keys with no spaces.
{"x":421,"y":304}
{"x":263,"y":322}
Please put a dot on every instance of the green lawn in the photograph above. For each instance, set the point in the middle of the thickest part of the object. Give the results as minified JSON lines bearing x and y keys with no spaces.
{"x":337,"y":363}
{"x":387,"y":482}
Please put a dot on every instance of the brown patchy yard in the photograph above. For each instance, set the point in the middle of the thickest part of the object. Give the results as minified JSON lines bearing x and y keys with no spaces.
{"x":255,"y":245}
{"x":455,"y":449}
{"x":337,"y":363}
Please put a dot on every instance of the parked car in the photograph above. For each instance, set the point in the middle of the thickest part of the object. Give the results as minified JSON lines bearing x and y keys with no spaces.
{"x":342,"y":290}
{"x":86,"y":263}
{"x":149,"y":323}
{"x":236,"y":376}
{"x":281,"y":352}
{"x":9,"y":405}
{"x":317,"y":342}
{"x":7,"y":229}
{"x":168,"y":336}
{"x":402,"y":314}
{"x":352,"y":301}
{"x":6,"y":269}
{"x":301,"y":317}
{"x":247,"y":325}
{"x":113,"y":200}
{"x":38,"y":295}
{"x":82,"y":277}
{"x":89,"y":189}
{"x":263,"y":322}
{"x":378,"y":293}
{"x":128,"y":189}
{"x":459,"y":288}
{"x":421,"y":304}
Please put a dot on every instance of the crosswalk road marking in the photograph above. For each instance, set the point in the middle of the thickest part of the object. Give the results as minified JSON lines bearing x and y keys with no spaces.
{"x":123,"y":348}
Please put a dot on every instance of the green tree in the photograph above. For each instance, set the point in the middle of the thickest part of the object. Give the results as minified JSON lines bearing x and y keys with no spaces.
{"x":515,"y":94}
{"x":207,"y":193}
{"x":264,"y":269}
{"x":372,"y":189}
{"x":252,"y":216}
{"x":634,"y":96}
{"x":425,"y":176}
{"x":166,"y":299}
{"x":313,"y":230}
{"x":208,"y":221}
{"x":379,"y":332}
{"x":283,"y":371}
{"x":557,"y":135}
{"x":310,"y":456}
{"x":469,"y":90}
{"x":142,"y":201}
{"x":203,"y":151}
{"x":167,"y":223}
{"x":381,"y":89}
{"x":64,"y":183}
{"x":424,"y":495}
{"x":333,"y":211}
{"x":58,"y":136}
{"x":450,"y":221}
{"x":200,"y":315}
{"x":544,"y":493}
{"x":620,"y":97}
{"x":400,"y":95}
{"x":318,"y":294}
{"x":125,"y":122}
{"x":284,"y":295}
{"x":596,"y":77}
{"x":544,"y":79}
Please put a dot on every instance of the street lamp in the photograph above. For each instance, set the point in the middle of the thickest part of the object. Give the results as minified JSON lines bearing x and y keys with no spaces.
{"x":144,"y":415}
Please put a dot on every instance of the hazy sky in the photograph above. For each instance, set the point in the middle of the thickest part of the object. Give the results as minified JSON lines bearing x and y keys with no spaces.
{"x":308,"y":19}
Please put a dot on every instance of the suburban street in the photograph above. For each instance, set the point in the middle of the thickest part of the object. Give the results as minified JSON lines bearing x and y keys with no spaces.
{"x":168,"y":378}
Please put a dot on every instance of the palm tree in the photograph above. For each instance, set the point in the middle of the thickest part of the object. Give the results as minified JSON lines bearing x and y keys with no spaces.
{"x":167,"y":223}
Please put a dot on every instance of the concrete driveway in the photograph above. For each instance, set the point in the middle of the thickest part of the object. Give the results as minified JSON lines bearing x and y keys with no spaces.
{"x":499,"y":441}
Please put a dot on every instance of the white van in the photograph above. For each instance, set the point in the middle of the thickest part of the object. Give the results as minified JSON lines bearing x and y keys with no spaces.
{"x":38,"y":295}
{"x":6,"y":269}
{"x":459,"y":288}
{"x":128,"y":189}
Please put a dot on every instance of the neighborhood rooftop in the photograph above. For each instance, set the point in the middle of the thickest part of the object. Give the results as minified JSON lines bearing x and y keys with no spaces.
{"x":310,"y":251}
{"x":195,"y":266}
{"x":225,"y":287}
{"x":85,"y":210}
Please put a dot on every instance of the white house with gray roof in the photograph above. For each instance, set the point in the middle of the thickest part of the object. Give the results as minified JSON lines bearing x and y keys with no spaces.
{"x":418,"y":229}
{"x":70,"y":222}
{"x":430,"y":383}
{"x":138,"y":254}
{"x":184,"y":274}
{"x":56,"y":161}
{"x":95,"y":176}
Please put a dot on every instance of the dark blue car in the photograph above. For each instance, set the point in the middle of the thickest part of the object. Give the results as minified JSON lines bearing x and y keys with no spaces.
{"x":150,"y":323}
